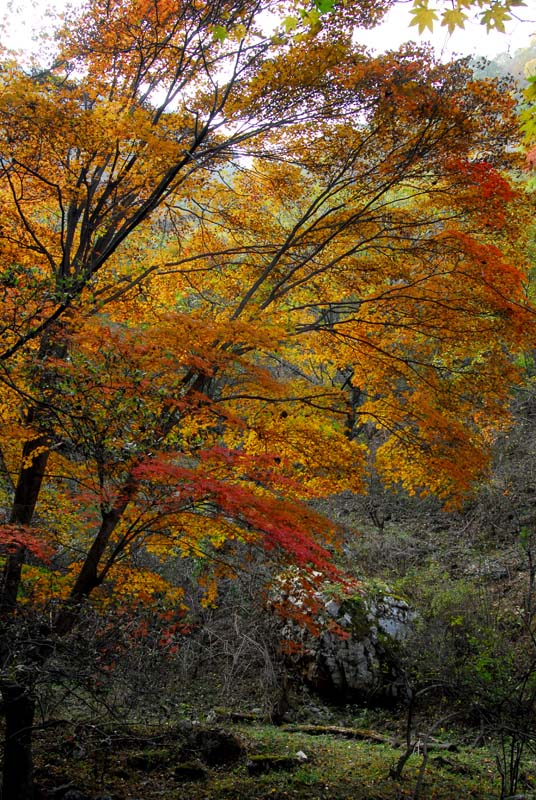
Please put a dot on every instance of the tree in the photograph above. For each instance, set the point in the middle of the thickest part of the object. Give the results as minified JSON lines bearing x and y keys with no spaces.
{"x":227,"y":259}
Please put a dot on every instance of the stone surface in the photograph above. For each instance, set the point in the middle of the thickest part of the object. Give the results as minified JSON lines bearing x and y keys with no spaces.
{"x":216,"y":746}
{"x":190,"y":771}
{"x":356,"y":659}
{"x":259,"y":765}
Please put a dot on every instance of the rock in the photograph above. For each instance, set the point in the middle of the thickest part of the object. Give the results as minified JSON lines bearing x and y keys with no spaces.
{"x":259,"y":765}
{"x":150,"y":760}
{"x":184,"y":726}
{"x":488,"y":568}
{"x":216,"y":746}
{"x":333,"y":608}
{"x":392,"y":616}
{"x":190,"y":771}
{"x":358,"y":660}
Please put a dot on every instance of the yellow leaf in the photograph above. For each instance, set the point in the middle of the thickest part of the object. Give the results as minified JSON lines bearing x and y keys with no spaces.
{"x":423,"y":16}
{"x":453,"y":18}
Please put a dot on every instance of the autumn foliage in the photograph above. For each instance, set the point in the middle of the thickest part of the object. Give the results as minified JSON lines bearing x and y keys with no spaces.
{"x":236,"y":270}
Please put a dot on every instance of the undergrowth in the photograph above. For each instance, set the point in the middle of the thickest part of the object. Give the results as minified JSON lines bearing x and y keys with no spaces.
{"x":99,"y":765}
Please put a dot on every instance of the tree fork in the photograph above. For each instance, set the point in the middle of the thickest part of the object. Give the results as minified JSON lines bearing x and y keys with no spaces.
{"x":88,"y":577}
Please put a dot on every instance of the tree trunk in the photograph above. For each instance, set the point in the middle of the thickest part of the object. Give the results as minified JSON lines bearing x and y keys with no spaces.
{"x":34,"y":461}
{"x":19,"y":703}
{"x":11,"y":580}
{"x":19,"y":710}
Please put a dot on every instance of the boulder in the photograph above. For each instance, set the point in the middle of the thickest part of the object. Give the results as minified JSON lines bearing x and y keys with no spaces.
{"x":260,"y":764}
{"x":216,"y":746}
{"x":355,"y":655}
{"x":190,"y":771}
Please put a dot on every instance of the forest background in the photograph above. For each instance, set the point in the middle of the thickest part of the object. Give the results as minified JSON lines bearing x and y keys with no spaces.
{"x":246,"y":277}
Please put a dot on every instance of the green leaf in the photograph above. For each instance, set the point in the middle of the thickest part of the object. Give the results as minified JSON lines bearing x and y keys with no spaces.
{"x":311,"y":18}
{"x":290,"y":23}
{"x":220,"y":33}
{"x":324,"y":6}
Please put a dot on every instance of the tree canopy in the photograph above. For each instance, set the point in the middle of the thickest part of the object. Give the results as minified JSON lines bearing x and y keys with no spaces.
{"x":251,"y":251}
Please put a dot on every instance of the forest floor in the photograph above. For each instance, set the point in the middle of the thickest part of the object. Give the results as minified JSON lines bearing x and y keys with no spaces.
{"x":136,"y":763}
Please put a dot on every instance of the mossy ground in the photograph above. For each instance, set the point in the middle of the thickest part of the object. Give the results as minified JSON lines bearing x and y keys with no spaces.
{"x":336,"y":769}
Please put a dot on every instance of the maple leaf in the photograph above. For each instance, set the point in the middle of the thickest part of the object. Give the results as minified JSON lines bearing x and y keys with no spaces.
{"x":453,"y":18}
{"x":324,"y":6}
{"x":13,"y":537}
{"x":494,"y":18}
{"x":423,"y":16}
{"x":220,"y":33}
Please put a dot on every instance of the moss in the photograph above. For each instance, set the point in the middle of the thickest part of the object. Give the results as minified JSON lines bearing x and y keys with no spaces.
{"x":346,"y":769}
{"x":149,"y":760}
{"x":190,"y":771}
{"x":358,"y":611}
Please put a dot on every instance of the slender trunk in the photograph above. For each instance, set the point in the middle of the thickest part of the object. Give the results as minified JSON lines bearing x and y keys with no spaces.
{"x":18,"y":700}
{"x":19,"y":710}
{"x":11,"y":577}
{"x":34,"y":461}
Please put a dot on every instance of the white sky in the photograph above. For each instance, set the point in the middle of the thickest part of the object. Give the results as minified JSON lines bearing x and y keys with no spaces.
{"x":25,"y":18}
{"x":472,"y":40}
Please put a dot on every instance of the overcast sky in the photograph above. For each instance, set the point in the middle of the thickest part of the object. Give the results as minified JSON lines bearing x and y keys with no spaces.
{"x":25,"y":18}
{"x":472,"y":40}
